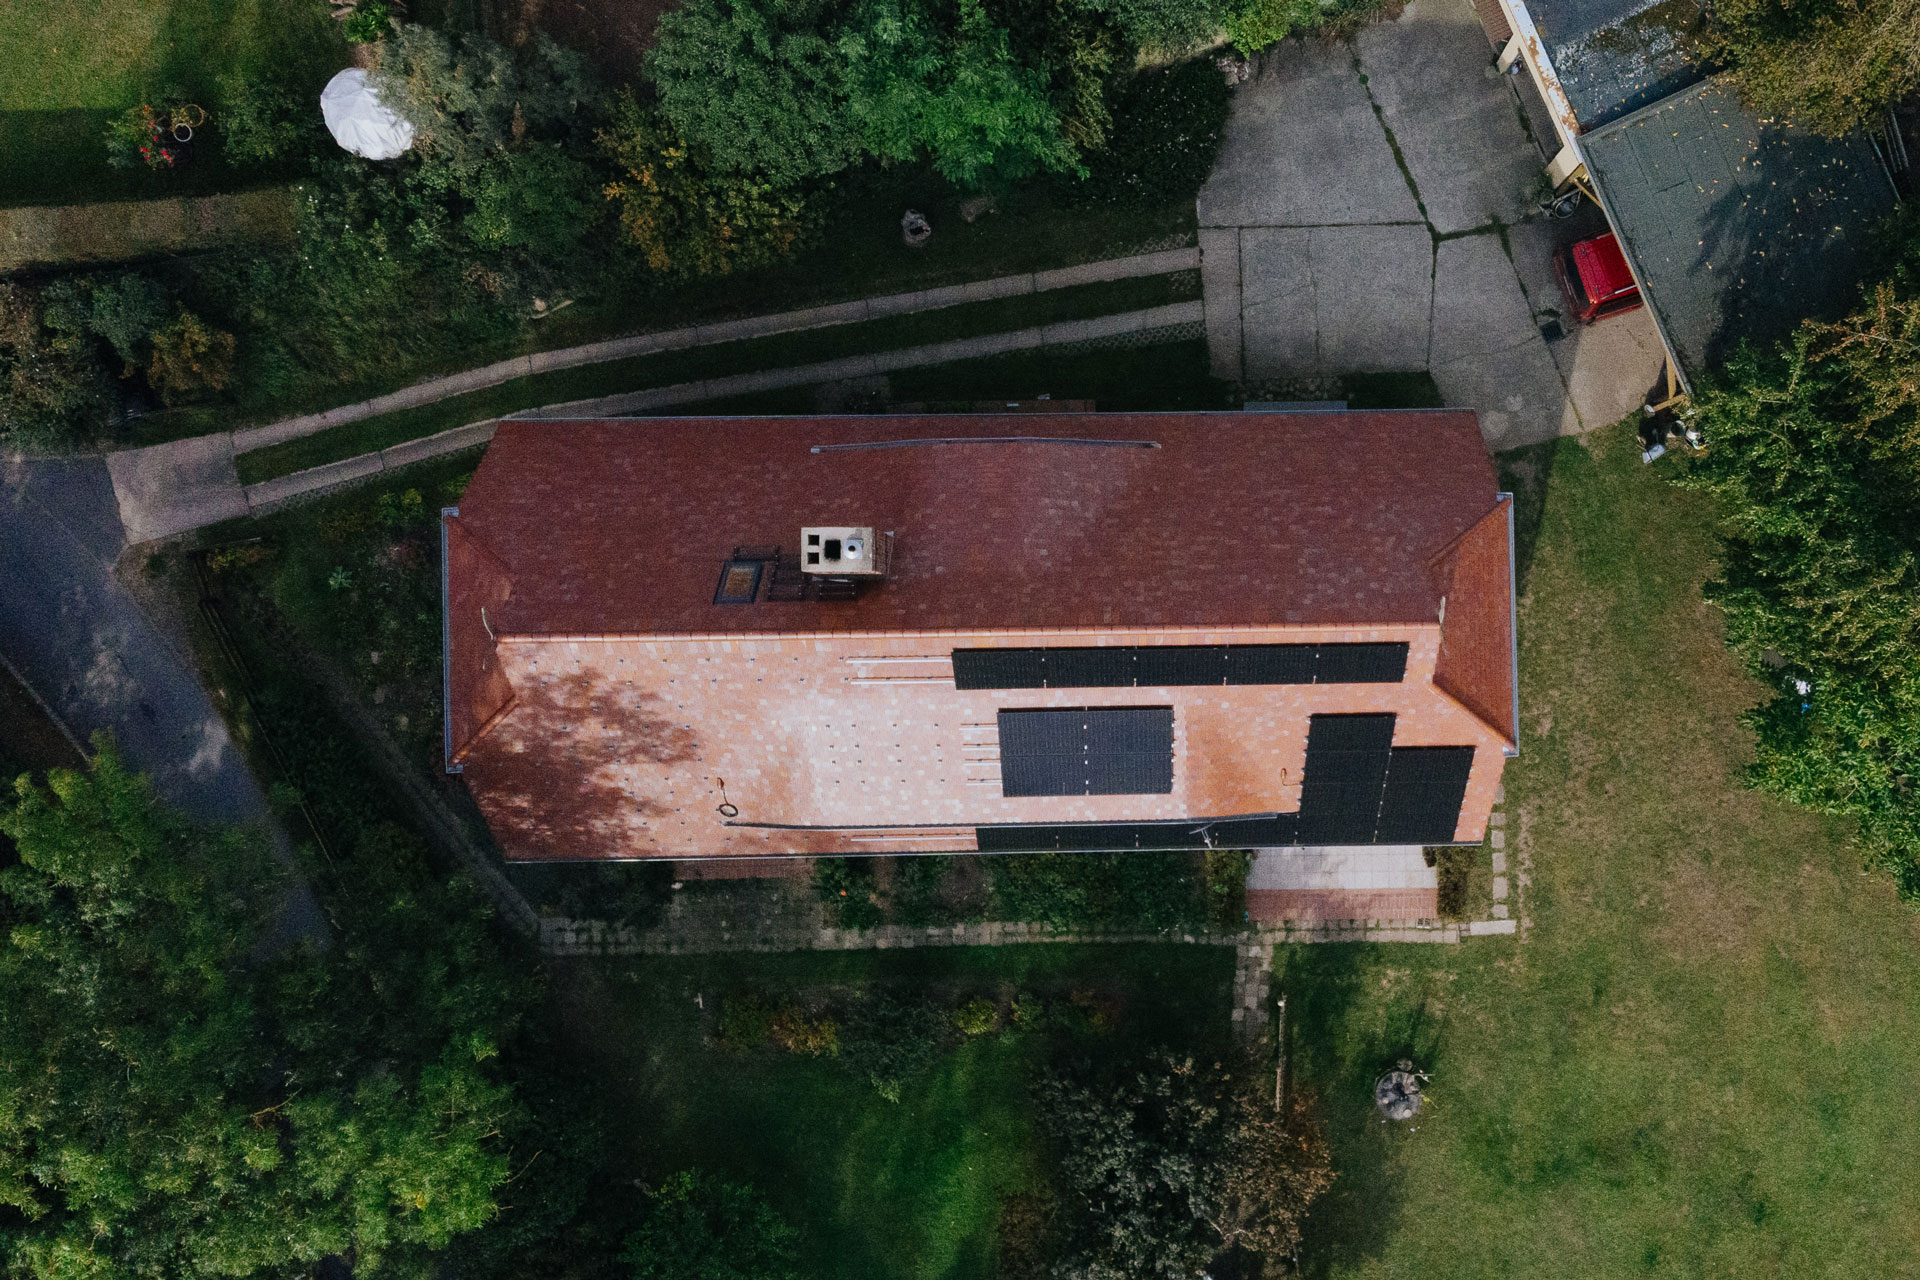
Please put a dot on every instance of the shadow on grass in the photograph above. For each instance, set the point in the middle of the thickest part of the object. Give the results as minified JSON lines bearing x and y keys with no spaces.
{"x":1526,"y":473}
{"x":1336,"y":1055}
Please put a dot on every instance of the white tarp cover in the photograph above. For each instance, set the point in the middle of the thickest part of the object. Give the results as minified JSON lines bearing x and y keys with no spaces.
{"x":359,"y":121}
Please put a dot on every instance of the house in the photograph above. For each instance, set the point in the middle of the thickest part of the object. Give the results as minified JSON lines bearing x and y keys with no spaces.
{"x":1072,"y":631}
{"x":1733,"y":227}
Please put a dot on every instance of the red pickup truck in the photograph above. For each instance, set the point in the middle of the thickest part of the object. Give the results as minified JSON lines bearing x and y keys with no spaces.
{"x":1593,"y":274}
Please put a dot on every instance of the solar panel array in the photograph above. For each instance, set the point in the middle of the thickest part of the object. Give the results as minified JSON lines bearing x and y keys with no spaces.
{"x":1346,"y":770}
{"x":1166,"y":666}
{"x":1087,"y":751}
{"x":1358,"y":788}
{"x":1230,"y":833}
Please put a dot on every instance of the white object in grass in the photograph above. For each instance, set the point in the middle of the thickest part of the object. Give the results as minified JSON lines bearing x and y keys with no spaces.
{"x":359,"y":121}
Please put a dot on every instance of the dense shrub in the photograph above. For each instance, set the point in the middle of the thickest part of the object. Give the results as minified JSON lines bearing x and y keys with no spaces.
{"x":1226,"y":872}
{"x":1098,"y":890}
{"x":795,"y":1032}
{"x":1261,"y":24}
{"x":759,"y":86}
{"x":977,"y":1017}
{"x":915,"y":893}
{"x":780,"y":91}
{"x":846,"y":888}
{"x":699,"y":1227}
{"x":189,"y":359}
{"x":1166,"y":132}
{"x":52,"y":384}
{"x":1814,"y":455}
{"x":262,"y":121}
{"x":685,"y":218}
{"x":890,"y":1037}
{"x":1832,"y":64}
{"x":122,"y":310}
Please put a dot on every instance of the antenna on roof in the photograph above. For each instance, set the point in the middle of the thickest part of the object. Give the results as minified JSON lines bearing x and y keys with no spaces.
{"x":905,"y":444}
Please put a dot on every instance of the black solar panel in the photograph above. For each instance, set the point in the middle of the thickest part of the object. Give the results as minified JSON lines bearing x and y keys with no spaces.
{"x":1346,"y":770}
{"x":1087,"y":751}
{"x":1098,"y":668}
{"x":999,"y":669}
{"x":1270,"y":664}
{"x":1234,"y":833}
{"x":1361,"y":664}
{"x":1167,"y":666}
{"x":1425,"y":787}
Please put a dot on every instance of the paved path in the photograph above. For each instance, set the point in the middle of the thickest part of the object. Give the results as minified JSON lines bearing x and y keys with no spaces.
{"x":64,"y":235}
{"x":706,"y":335}
{"x":566,"y":937}
{"x":1369,"y":207}
{"x":170,"y":488}
{"x":82,"y":643}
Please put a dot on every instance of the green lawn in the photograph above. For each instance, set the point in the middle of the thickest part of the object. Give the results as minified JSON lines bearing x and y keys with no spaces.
{"x":673,"y":367}
{"x":1697,"y":1062}
{"x":67,"y":67}
{"x":880,"y":1190}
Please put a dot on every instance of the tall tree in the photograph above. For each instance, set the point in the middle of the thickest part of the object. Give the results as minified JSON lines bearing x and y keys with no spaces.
{"x":175,"y":1103}
{"x":1831,"y":64}
{"x":1173,"y":1163}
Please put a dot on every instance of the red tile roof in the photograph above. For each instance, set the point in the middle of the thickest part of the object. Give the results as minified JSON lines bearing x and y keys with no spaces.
{"x":1475,"y":663}
{"x":620,"y":527}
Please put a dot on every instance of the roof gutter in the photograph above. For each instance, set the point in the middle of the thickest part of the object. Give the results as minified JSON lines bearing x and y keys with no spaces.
{"x":446,"y":644}
{"x":1513,"y":620}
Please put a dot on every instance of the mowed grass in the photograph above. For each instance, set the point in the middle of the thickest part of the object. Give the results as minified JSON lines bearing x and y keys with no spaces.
{"x":888,"y":1191}
{"x":1699,"y":1061}
{"x":67,"y":67}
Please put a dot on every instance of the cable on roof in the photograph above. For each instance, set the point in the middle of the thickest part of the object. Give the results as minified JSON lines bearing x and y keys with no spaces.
{"x":902,"y":444}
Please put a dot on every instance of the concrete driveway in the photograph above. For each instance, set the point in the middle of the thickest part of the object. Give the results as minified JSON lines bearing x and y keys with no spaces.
{"x":1374,"y":210}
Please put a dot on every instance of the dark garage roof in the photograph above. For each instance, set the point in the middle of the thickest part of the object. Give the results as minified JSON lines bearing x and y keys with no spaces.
{"x":1736,"y":229}
{"x":1613,"y":57}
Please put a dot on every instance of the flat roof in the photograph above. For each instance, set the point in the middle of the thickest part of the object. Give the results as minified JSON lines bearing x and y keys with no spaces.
{"x":1613,"y":57}
{"x":1738,"y":229}
{"x":997,"y":522}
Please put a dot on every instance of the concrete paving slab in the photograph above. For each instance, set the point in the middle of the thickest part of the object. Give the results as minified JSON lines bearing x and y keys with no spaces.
{"x":1478,"y":306}
{"x":1342,"y":867}
{"x":1518,"y":394}
{"x":166,"y":489}
{"x":1220,"y":291}
{"x":1335,"y":299}
{"x":1304,"y":148}
{"x":1373,"y":292}
{"x":1610,"y":367}
{"x":1456,"y":123}
{"x":1487,"y":353}
{"x":1281,"y":329}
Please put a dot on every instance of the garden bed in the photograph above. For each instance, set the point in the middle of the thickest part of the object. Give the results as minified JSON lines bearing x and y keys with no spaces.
{"x":880,"y":1189}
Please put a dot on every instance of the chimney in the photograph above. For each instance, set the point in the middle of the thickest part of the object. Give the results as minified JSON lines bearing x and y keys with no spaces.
{"x":843,"y":551}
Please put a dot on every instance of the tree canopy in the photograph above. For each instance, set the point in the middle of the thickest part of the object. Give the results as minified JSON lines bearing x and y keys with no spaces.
{"x":1814,"y":456}
{"x":1831,"y":64}
{"x":700,"y":1227}
{"x":1173,"y":1163}
{"x":175,"y":1102}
